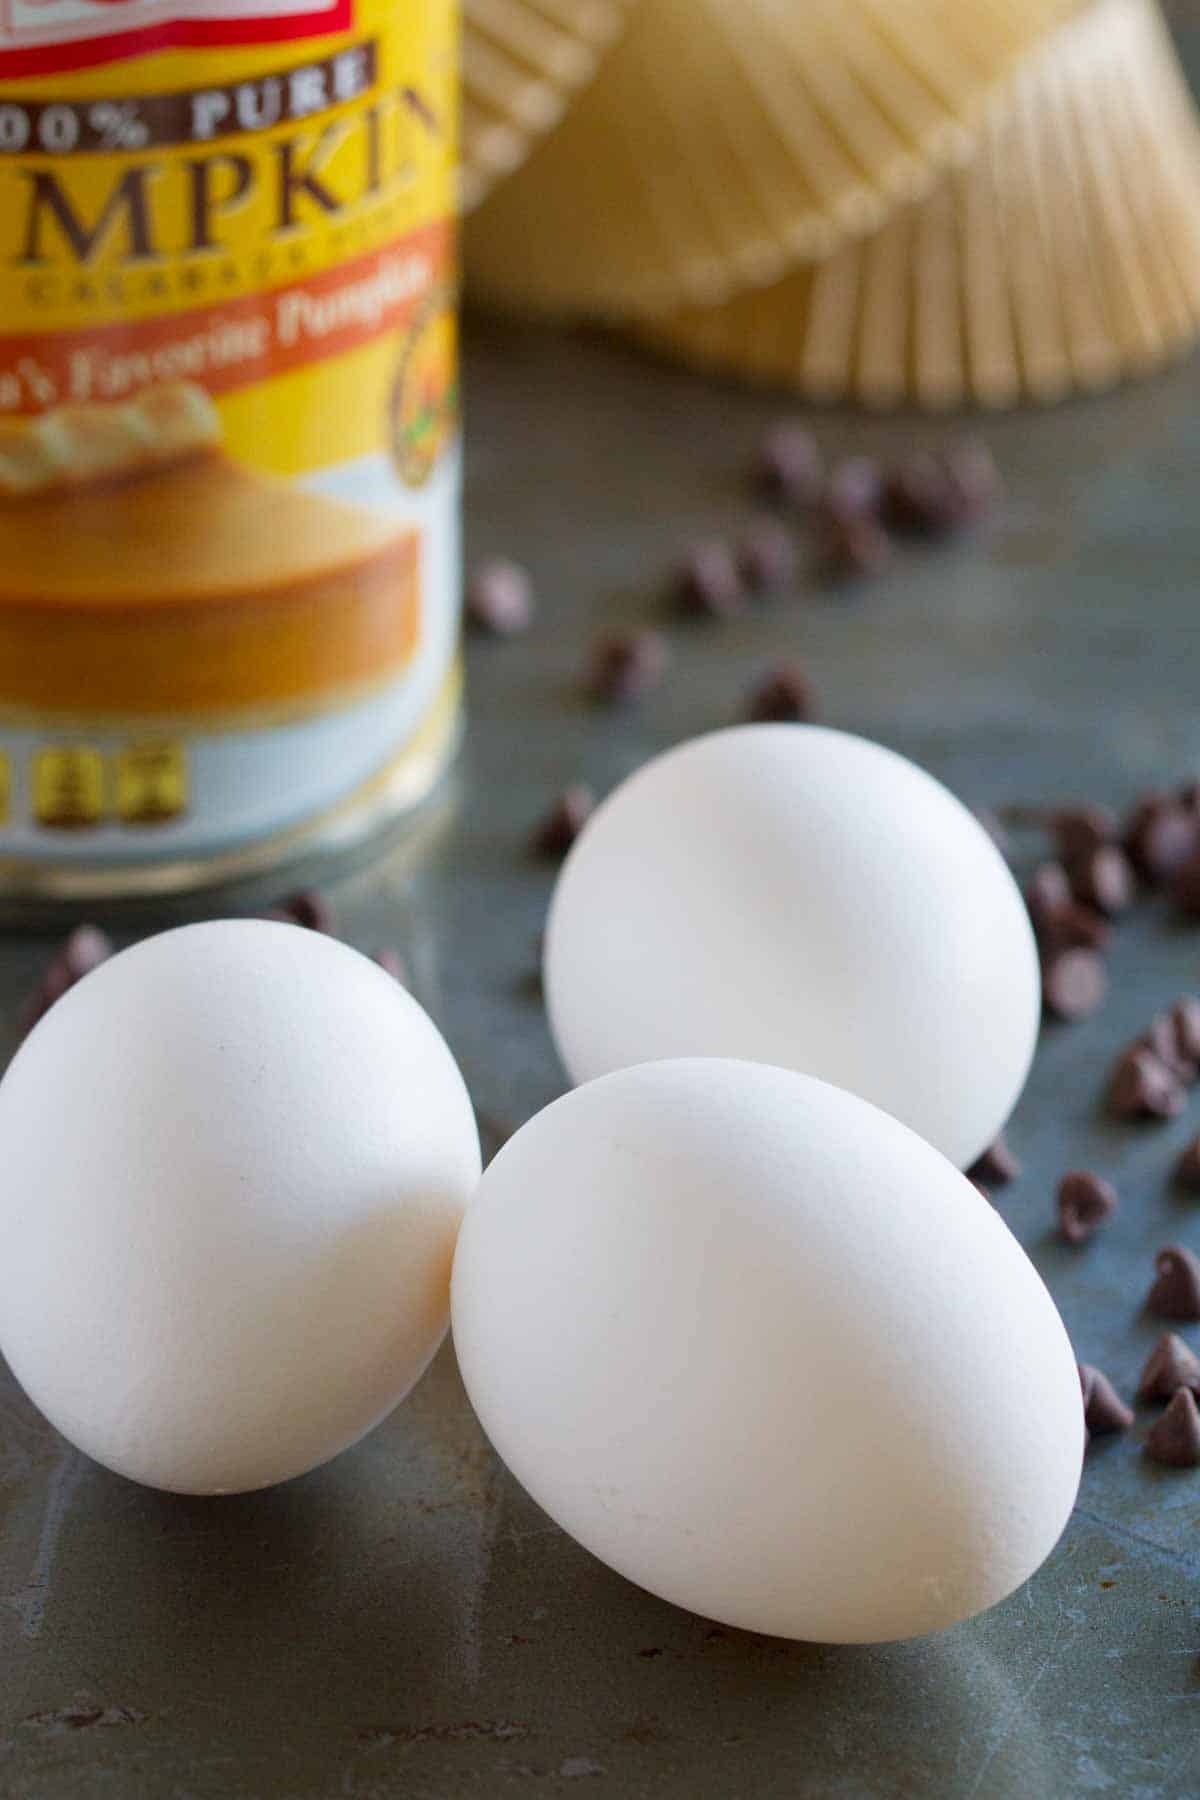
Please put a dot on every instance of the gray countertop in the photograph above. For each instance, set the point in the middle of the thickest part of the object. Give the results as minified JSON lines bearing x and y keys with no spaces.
{"x":405,"y":1622}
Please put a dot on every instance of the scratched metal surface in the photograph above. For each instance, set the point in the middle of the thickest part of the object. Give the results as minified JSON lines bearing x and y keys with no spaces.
{"x":405,"y":1622}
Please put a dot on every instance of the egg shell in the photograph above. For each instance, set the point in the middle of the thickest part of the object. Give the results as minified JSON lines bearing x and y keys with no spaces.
{"x":235,"y":1160}
{"x":767,"y":1353}
{"x":793,"y":895}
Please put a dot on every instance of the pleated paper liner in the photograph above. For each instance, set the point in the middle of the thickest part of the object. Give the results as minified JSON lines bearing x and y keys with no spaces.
{"x":522,"y":60}
{"x":1064,"y":255}
{"x":722,"y":142}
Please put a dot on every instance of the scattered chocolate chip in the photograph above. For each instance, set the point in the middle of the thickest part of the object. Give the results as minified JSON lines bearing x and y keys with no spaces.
{"x":1187,"y":1169}
{"x":565,"y":820}
{"x":920,"y":497}
{"x":788,"y":467}
{"x":850,"y":548}
{"x":1143,"y":1087}
{"x":707,"y":583}
{"x":784,"y":696}
{"x":997,"y":1166}
{"x":1185,"y":888}
{"x":974,"y":478}
{"x":1185,"y":1016}
{"x":499,"y":598}
{"x":307,"y":908}
{"x":1170,"y":1366}
{"x":1175,"y":1293}
{"x":1160,"y":838}
{"x":1175,"y":1438}
{"x":766,"y":555}
{"x":1103,"y":1408}
{"x":1074,"y":983}
{"x":1058,"y":919}
{"x":1161,"y":1037}
{"x":1084,"y":1203}
{"x":624,"y":666}
{"x":392,"y":963}
{"x":854,"y":490}
{"x":1078,"y":830}
{"x":82,"y":951}
{"x":1047,"y":896}
{"x":1102,"y":879}
{"x":1080,"y":927}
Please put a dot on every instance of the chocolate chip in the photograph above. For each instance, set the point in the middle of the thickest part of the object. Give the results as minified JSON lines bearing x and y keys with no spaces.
{"x":1160,"y":838}
{"x":1084,"y":1203}
{"x":1058,"y":919}
{"x":766,"y":555}
{"x":307,"y":908}
{"x":1102,"y":879}
{"x":920,"y":497}
{"x":853,"y":492}
{"x":1185,"y":1016}
{"x":1175,"y":1438}
{"x":1185,"y":888}
{"x":1175,"y":1293}
{"x":997,"y":1166}
{"x":565,"y":820}
{"x":392,"y":963}
{"x":626,"y":665}
{"x":82,"y":951}
{"x":850,"y":548}
{"x":1074,"y":983}
{"x":1081,"y":927}
{"x":499,"y":598}
{"x":1161,"y":1037}
{"x":1103,"y":1409}
{"x":783,"y":697}
{"x":1187,"y":1169}
{"x":1047,"y":896}
{"x":1171,"y":1365}
{"x":788,"y":467}
{"x":1143,"y":1087}
{"x":707,"y":583}
{"x":974,"y":478}
{"x":1078,"y":830}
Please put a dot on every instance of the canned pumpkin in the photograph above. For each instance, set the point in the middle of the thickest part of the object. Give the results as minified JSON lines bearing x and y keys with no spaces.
{"x":228,"y":427}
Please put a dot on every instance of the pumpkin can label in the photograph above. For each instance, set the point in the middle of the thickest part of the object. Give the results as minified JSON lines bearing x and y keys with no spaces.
{"x":228,"y":416}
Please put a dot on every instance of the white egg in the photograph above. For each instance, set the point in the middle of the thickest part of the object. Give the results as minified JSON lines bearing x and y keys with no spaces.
{"x":800,"y":897}
{"x":767,"y":1353}
{"x":235,"y":1161}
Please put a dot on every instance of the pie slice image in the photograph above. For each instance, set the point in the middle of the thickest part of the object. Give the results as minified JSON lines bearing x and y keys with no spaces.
{"x":144,"y":571}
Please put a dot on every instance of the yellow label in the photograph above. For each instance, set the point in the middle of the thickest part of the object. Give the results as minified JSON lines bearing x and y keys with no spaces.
{"x":188,"y":188}
{"x":228,"y":399}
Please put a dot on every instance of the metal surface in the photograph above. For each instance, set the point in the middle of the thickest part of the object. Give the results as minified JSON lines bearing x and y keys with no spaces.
{"x":405,"y":1622}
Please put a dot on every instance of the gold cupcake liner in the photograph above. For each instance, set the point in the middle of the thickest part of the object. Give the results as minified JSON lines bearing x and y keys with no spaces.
{"x":522,"y":60}
{"x":1064,"y":255}
{"x":721,"y":143}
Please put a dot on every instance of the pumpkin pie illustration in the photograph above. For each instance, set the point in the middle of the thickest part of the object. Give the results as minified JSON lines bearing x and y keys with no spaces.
{"x":143,"y":571}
